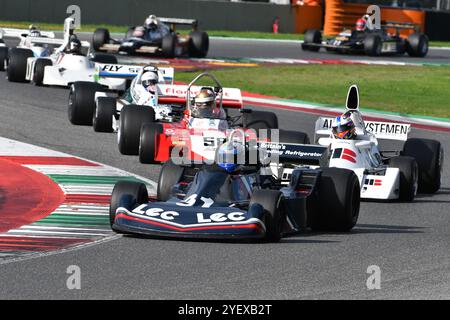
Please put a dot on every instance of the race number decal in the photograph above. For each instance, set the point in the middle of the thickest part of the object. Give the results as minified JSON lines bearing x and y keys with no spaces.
{"x":374,"y":13}
{"x":75,"y":13}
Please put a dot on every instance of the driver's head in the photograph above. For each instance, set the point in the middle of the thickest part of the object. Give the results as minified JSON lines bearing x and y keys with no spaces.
{"x":149,"y":81}
{"x":74,"y":45}
{"x":151,"y":22}
{"x":35,"y":33}
{"x":361,"y":24}
{"x":344,"y":128}
{"x":204,"y":105}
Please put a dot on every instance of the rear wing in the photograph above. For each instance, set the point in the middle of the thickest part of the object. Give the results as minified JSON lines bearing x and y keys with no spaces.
{"x":401,"y":25}
{"x":381,"y":130}
{"x":175,"y":21}
{"x":293,"y":153}
{"x":20,"y":33}
{"x":43,"y":40}
{"x":123,"y":71}
{"x":167,"y":94}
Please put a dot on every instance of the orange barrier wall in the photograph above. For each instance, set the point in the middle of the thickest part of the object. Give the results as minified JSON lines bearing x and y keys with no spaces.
{"x":340,"y":15}
{"x":308,"y":17}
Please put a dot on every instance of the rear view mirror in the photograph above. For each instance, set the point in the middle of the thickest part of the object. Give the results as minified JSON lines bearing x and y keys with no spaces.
{"x":353,"y":98}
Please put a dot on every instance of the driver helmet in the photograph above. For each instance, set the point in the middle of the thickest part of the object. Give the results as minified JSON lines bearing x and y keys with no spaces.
{"x":34,"y":32}
{"x":229,"y":155}
{"x":204,"y":105}
{"x":151,"y":22}
{"x":344,"y":127}
{"x":149,"y":81}
{"x":361,"y":24}
{"x":74,"y":45}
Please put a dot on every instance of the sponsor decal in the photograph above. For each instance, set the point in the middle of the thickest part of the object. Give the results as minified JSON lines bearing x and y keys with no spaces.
{"x":155,"y":212}
{"x":373,"y":182}
{"x":344,"y":154}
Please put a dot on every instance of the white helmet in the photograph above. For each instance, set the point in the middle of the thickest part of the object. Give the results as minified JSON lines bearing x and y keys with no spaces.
{"x":149,"y":81}
{"x":151,"y":21}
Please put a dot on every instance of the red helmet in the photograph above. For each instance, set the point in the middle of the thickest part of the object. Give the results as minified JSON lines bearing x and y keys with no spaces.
{"x":360,"y":25}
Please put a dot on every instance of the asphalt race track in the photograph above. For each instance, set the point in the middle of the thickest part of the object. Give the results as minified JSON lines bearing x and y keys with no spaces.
{"x":409,"y":242}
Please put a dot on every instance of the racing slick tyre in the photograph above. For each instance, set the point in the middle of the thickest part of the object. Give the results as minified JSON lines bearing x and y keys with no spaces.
{"x":312,"y":36}
{"x":372,"y":45}
{"x":136,"y":194}
{"x":337,"y":207}
{"x":429,"y":155}
{"x":417,"y":45}
{"x":409,"y":176}
{"x":260,"y":120}
{"x":3,"y":58}
{"x":288,"y":136}
{"x":17,"y":64}
{"x":271,"y":201}
{"x":103,"y":114}
{"x":198,"y":44}
{"x":105,"y":58}
{"x":82,"y":102}
{"x":149,"y":141}
{"x":39,"y":71}
{"x":168,"y":45}
{"x":132,"y":117}
{"x":169,"y":176}
{"x":101,"y":36}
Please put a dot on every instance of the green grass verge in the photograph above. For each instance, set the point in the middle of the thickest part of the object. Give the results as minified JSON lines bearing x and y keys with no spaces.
{"x":412,"y":90}
{"x":212,"y":33}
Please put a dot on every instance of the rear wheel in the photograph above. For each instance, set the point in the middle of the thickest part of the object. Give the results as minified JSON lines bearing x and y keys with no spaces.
{"x":312,"y":36}
{"x":417,"y":45}
{"x":337,"y":207}
{"x":3,"y":58}
{"x":168,"y":45}
{"x":260,"y":120}
{"x":126,"y":194}
{"x":101,"y":37}
{"x":132,"y":117}
{"x":148,"y":145}
{"x":409,"y":176}
{"x":429,"y":155}
{"x":372,"y":45}
{"x":103,"y":115}
{"x":271,"y":201}
{"x":169,"y":176}
{"x":39,"y":70}
{"x":17,"y":64}
{"x":82,"y":102}
{"x":198,"y":44}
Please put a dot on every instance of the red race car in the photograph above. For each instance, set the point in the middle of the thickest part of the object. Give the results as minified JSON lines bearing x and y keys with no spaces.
{"x":206,"y":124}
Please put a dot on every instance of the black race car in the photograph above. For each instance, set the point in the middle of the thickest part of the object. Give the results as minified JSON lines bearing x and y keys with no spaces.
{"x":160,"y":39}
{"x":253,"y":202}
{"x":371,"y":42}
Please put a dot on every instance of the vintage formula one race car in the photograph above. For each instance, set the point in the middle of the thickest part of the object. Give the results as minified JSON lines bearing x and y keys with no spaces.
{"x":371,"y":42}
{"x":384,"y":175}
{"x":195,"y":138}
{"x":92,"y":104}
{"x":32,"y":42}
{"x":244,"y":202}
{"x":66,"y":65}
{"x":157,"y":36}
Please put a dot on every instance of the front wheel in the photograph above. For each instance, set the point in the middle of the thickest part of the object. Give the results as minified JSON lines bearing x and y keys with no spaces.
{"x":337,"y":206}
{"x":409,"y":176}
{"x":17,"y":64}
{"x":3,"y":58}
{"x":132,"y":117}
{"x":169,"y":176}
{"x":126,"y":194}
{"x":103,"y":115}
{"x":312,"y":39}
{"x":82,"y":102}
{"x":271,"y":201}
{"x":39,"y":71}
{"x":149,"y":141}
{"x":417,"y":45}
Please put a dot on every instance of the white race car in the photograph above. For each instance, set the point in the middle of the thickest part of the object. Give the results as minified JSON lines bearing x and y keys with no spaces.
{"x":91,"y":105}
{"x":63,"y":67}
{"x":32,"y":43}
{"x":382,"y":175}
